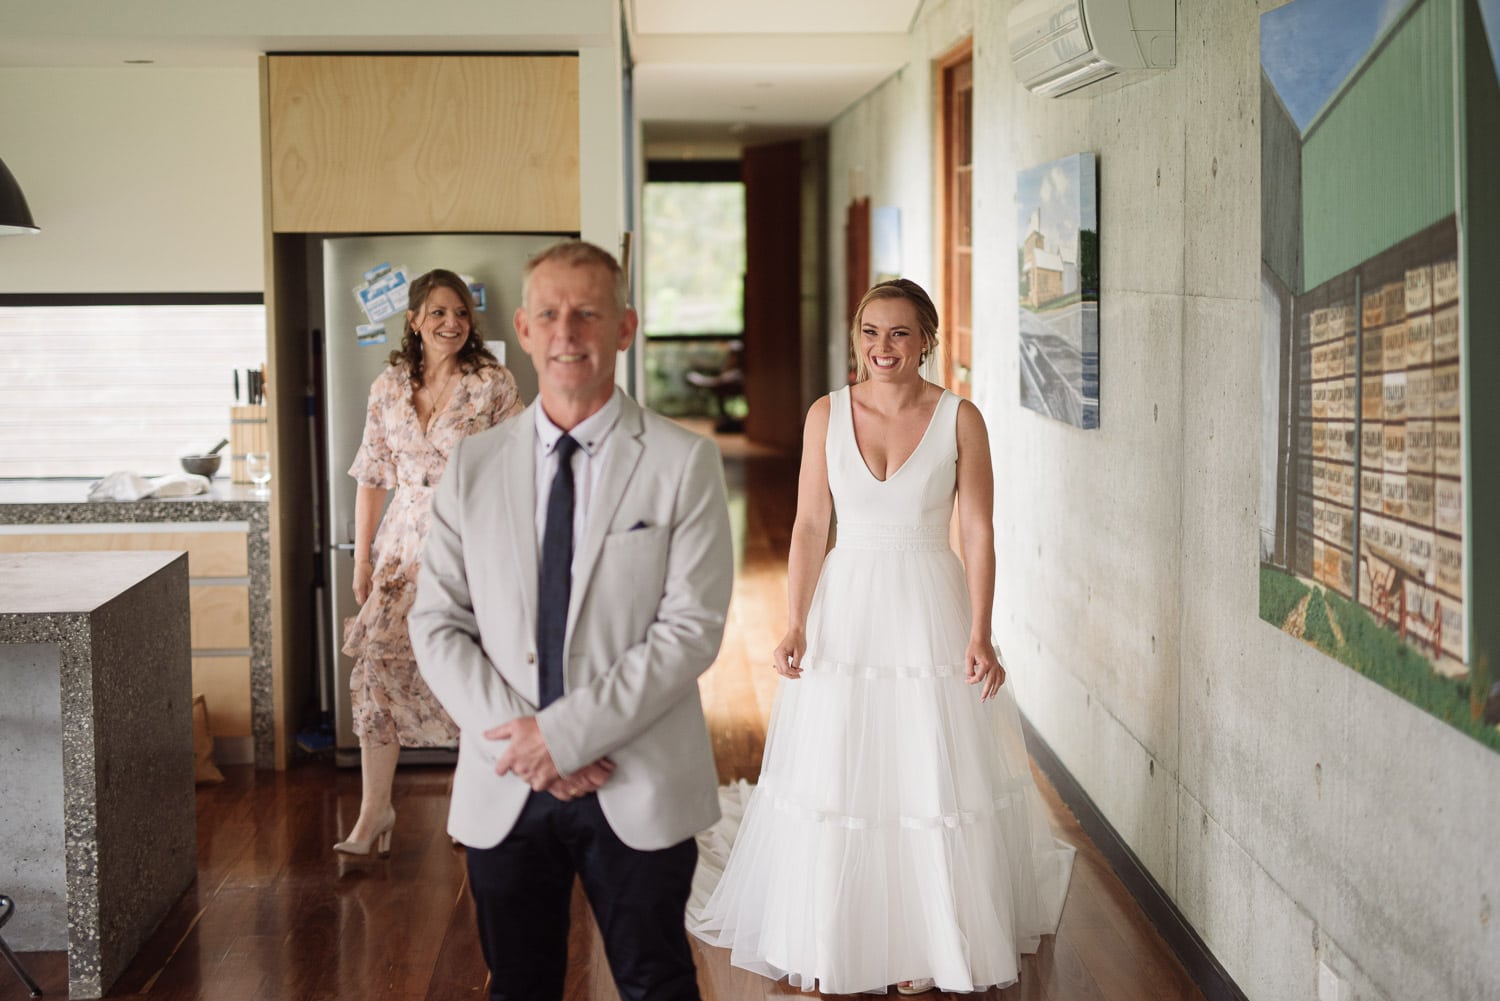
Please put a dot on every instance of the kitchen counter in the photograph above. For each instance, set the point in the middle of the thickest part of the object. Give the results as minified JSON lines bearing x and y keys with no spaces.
{"x":97,"y":838}
{"x":52,"y":506}
{"x":53,"y":493}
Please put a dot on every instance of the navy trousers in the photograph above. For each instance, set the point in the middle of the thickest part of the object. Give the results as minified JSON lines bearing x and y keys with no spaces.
{"x":523,"y":888}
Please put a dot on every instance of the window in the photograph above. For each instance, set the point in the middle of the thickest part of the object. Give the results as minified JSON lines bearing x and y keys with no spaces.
{"x":694,"y":264}
{"x":86,"y":390}
{"x":693,"y":277}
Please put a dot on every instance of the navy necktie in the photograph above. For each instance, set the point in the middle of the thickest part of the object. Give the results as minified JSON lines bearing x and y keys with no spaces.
{"x":556,"y":578}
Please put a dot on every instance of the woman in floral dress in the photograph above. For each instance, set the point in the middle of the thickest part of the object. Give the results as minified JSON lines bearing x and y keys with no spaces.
{"x":441,"y":385}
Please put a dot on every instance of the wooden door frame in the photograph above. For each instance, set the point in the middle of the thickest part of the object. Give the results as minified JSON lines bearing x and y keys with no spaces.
{"x":942,"y":75}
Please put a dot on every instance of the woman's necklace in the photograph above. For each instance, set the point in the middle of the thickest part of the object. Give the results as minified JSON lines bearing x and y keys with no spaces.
{"x":439,"y":401}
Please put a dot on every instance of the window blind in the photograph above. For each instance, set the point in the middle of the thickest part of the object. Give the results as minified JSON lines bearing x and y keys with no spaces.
{"x":90,"y":390}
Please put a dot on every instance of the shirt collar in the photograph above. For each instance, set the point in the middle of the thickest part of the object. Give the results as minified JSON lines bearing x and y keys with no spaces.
{"x":589,"y":433}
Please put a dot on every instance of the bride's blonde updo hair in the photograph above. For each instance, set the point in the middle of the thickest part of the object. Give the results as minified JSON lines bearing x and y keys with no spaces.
{"x":896,"y":288}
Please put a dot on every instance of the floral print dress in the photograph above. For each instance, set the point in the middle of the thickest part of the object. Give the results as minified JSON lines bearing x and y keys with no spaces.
{"x":391,"y":702}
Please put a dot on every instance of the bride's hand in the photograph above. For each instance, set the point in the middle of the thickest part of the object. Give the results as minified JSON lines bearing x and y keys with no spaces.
{"x":787,"y":658}
{"x":983,"y":667}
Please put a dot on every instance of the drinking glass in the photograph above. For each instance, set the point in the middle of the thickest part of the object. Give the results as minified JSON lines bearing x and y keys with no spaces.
{"x":258,"y":468}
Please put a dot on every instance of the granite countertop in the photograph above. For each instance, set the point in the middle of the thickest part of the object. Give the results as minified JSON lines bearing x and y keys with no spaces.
{"x":70,"y":583}
{"x":48,"y":502}
{"x":77,"y":492}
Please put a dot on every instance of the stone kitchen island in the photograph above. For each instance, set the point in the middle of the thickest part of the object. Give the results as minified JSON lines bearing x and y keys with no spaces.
{"x":97,"y":835}
{"x":226,"y":533}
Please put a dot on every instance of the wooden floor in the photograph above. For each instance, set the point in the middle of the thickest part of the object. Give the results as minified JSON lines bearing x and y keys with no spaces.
{"x":275,"y":914}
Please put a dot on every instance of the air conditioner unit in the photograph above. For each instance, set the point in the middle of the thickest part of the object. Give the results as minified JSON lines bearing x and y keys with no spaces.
{"x":1058,"y":46}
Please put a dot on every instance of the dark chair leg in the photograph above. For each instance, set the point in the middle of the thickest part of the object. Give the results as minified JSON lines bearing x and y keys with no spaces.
{"x":7,"y":908}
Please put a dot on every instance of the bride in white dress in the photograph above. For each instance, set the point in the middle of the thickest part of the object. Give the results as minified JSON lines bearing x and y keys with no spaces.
{"x":896,"y":835}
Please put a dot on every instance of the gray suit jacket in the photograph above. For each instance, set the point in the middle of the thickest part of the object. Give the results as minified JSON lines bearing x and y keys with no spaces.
{"x":650,"y":592}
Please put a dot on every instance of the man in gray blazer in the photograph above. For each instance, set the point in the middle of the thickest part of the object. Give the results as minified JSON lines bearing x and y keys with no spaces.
{"x":574,"y":586}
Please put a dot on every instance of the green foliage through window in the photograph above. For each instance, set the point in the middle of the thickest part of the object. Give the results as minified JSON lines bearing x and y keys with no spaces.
{"x":694,"y":263}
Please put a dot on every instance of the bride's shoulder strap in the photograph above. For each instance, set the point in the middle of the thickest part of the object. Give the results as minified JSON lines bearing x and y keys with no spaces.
{"x":839,"y":402}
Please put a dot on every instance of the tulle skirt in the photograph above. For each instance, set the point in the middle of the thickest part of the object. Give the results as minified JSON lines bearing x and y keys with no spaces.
{"x":895,"y":832}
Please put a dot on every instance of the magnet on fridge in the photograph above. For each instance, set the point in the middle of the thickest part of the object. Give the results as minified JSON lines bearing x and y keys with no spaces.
{"x":476,"y":289}
{"x":369,"y":334}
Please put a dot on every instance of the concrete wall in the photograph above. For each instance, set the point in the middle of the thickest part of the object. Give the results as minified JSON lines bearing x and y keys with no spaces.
{"x":882,"y":148}
{"x":1296,"y":812}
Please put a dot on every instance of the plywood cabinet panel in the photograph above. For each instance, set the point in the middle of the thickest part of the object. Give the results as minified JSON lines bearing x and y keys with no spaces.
{"x":423,"y":143}
{"x":210,"y":554}
{"x":221,"y":617}
{"x":229,"y":596}
{"x":224,"y":682}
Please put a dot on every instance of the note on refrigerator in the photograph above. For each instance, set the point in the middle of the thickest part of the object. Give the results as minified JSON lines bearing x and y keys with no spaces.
{"x":384,"y":292}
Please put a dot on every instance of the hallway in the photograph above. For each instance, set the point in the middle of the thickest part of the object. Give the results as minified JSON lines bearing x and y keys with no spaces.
{"x":274,"y":915}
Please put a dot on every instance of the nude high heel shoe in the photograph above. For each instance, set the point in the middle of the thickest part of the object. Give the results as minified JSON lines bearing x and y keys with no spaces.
{"x":381,"y":839}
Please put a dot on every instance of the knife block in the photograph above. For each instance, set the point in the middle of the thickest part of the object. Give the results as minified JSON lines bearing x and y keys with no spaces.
{"x":247,"y":433}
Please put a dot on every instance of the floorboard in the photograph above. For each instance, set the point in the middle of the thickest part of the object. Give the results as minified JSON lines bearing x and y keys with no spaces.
{"x":275,"y":914}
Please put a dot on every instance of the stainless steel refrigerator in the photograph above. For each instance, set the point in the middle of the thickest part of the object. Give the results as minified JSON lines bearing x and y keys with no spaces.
{"x":353,"y":356}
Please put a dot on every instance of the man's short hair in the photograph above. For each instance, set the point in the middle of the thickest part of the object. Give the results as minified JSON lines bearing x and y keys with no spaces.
{"x":577,"y":254}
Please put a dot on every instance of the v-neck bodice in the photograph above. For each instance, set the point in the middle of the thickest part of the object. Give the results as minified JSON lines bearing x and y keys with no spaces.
{"x":919,"y":493}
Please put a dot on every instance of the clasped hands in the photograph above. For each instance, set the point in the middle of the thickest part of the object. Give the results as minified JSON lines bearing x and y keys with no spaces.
{"x":528,"y":759}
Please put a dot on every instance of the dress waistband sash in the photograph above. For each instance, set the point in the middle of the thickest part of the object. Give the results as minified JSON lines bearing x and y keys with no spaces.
{"x":870,"y":535}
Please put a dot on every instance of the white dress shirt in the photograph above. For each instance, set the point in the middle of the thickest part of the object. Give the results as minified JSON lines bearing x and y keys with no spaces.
{"x":592,"y":435}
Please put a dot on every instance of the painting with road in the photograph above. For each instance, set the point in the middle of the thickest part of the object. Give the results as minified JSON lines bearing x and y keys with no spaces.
{"x":1058,"y":270}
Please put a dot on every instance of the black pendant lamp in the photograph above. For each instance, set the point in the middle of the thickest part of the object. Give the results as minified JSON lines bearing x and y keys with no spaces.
{"x":15,"y":217}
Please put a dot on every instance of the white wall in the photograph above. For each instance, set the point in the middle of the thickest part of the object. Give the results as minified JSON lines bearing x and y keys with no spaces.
{"x":601,"y":147}
{"x":230,"y":32}
{"x":142,"y":179}
{"x":148,"y":178}
{"x":1293,"y":810}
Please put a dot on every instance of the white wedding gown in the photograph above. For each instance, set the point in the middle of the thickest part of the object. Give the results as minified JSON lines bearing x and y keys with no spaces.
{"x":895,"y":832}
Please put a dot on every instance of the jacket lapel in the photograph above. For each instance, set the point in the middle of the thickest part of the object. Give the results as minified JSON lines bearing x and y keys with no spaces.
{"x":620,"y":461}
{"x":517,"y":509}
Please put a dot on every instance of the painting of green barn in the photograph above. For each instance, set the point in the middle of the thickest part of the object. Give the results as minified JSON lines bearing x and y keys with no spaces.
{"x":1371,"y":547}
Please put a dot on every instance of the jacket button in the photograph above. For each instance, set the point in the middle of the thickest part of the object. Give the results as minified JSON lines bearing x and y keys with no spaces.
{"x":531,"y":658}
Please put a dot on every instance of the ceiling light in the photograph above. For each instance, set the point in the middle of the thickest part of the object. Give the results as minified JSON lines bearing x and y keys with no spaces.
{"x":15,"y":216}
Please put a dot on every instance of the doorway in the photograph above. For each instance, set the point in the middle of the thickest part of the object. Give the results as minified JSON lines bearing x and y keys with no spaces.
{"x":693,"y":279}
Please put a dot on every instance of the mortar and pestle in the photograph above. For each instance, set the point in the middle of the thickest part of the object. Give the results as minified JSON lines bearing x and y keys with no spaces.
{"x":206,"y":464}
